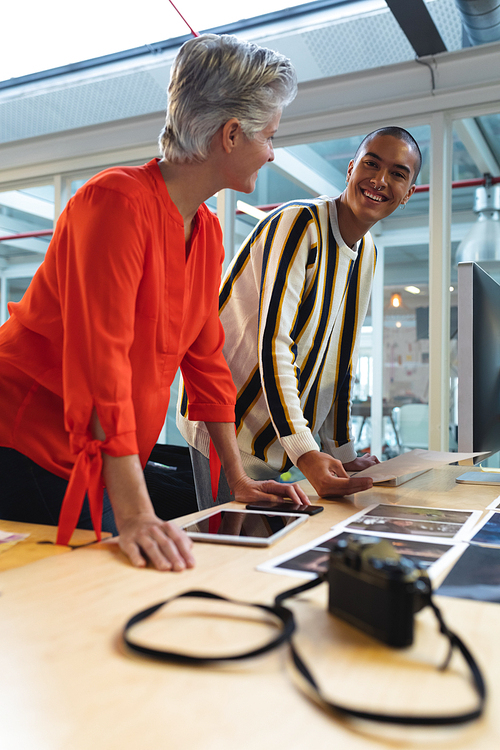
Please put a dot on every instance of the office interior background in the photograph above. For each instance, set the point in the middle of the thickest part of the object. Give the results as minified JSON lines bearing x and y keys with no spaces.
{"x":431,"y":67}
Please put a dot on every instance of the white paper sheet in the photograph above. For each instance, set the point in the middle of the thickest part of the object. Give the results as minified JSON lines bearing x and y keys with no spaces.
{"x":417,"y":460}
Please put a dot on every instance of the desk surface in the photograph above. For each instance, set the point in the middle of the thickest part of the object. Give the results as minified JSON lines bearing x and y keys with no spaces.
{"x":40,"y":543}
{"x":66,"y":682}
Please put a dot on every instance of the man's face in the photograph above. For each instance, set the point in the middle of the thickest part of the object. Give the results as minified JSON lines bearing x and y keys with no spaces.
{"x":380,"y":178}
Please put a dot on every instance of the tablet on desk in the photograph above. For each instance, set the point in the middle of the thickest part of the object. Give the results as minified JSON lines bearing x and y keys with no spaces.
{"x":248,"y":527}
{"x":479,"y":477}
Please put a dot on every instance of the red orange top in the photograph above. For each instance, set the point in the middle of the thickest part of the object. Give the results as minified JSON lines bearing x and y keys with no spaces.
{"x":110,"y":315}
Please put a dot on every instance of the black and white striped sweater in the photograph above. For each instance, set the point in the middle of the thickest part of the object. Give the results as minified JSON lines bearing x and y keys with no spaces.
{"x":292,"y":304}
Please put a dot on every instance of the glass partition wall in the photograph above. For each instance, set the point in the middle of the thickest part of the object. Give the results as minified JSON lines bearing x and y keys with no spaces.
{"x":26,"y":222}
{"x":395,"y":361}
{"x":399,"y":357}
{"x":407,"y":370}
{"x":475,"y":227}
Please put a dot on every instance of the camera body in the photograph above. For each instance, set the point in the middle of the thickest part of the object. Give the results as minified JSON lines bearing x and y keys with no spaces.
{"x":374,"y":588}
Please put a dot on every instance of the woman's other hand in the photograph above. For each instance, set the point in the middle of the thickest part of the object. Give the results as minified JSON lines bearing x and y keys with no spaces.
{"x":146,"y":538}
{"x":143,"y":536}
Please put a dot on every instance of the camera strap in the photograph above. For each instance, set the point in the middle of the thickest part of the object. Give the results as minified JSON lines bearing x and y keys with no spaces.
{"x":283,"y":616}
{"x":407,"y":719}
{"x":285,"y":621}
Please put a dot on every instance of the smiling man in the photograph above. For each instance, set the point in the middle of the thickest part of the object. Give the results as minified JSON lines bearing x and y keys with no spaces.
{"x":292,"y":305}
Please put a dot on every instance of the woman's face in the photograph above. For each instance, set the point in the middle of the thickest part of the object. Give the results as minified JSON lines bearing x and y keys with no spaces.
{"x":251,"y":154}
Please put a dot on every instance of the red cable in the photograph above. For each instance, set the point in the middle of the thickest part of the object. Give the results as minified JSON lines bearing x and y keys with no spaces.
{"x":193,"y":32}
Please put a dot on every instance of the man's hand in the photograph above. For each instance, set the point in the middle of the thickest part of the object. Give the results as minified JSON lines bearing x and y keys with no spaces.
{"x":328,"y":476}
{"x":145,"y":537}
{"x":247,"y":490}
{"x":361,"y":462}
{"x":244,"y":489}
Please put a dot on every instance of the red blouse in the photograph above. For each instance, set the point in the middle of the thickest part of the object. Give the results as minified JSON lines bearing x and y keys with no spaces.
{"x":110,"y":315}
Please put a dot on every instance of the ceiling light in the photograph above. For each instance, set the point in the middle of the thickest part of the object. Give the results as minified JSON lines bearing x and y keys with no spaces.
{"x":482,"y":241}
{"x":396,"y":300}
{"x":412,"y":289}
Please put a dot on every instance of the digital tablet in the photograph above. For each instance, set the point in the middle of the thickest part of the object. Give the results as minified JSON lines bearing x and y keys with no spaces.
{"x":479,"y":477}
{"x":248,"y":527}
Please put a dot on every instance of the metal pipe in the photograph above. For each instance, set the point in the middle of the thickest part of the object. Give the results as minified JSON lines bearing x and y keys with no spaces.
{"x":457,"y":184}
{"x":480,"y":19}
{"x":476,"y":182}
{"x":40,"y":233}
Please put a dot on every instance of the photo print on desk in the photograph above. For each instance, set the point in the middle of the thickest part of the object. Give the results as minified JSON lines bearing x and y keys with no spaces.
{"x":494,"y":505}
{"x":312,"y":559}
{"x":475,"y":576}
{"x":7,"y":540}
{"x":487,"y":532}
{"x":413,"y":521}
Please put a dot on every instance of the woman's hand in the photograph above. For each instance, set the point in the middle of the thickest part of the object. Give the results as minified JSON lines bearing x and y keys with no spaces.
{"x":145,"y":537}
{"x":328,"y":476}
{"x":247,"y":490}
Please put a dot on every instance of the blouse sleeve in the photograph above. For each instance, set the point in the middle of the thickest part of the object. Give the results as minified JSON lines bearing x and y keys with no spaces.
{"x":98,"y":275}
{"x":99,"y":268}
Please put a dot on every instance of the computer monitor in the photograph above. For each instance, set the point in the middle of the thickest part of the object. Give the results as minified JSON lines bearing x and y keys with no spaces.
{"x":478,"y":360}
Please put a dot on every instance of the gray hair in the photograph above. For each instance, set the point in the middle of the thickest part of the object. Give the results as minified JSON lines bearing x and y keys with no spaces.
{"x":215,"y":78}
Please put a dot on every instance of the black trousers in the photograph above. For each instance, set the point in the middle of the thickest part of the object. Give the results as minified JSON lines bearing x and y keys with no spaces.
{"x":31,"y":494}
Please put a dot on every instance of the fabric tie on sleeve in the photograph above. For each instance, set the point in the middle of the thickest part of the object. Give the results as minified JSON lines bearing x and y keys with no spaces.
{"x":86,"y":478}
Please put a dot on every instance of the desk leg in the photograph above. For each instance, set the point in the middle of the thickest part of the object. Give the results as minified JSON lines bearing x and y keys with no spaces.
{"x":361,"y":429}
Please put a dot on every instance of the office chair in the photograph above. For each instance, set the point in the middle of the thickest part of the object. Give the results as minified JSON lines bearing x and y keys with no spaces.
{"x":413,"y":426}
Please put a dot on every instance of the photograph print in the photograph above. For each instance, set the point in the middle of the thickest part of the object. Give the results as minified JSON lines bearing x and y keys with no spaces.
{"x":313,"y":560}
{"x":403,"y":520}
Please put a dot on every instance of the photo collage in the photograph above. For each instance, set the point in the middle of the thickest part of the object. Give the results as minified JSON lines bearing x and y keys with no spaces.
{"x":432,"y":538}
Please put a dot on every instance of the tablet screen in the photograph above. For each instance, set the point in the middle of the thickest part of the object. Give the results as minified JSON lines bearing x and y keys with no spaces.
{"x":245,"y":525}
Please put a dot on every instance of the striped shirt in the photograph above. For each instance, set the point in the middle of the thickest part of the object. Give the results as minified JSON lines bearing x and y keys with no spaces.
{"x":292,"y":305}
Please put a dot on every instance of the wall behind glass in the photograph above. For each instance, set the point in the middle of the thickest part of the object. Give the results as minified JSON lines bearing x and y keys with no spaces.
{"x":476,"y":219}
{"x":23,"y":211}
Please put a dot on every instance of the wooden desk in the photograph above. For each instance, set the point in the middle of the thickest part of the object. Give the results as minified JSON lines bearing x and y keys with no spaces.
{"x":67,"y":685}
{"x":40,"y":543}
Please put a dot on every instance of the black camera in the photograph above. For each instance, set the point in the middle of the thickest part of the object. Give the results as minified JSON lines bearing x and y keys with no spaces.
{"x":376,"y":589}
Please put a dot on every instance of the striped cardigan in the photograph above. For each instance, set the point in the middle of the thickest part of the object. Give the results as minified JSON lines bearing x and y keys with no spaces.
{"x":292,"y":305}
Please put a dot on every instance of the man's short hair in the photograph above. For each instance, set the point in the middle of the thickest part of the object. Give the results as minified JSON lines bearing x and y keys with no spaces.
{"x":215,"y":78}
{"x":403,"y":135}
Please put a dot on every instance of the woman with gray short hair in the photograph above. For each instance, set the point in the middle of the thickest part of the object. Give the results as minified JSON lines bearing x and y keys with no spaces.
{"x":127,"y":294}
{"x":227,"y":79}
